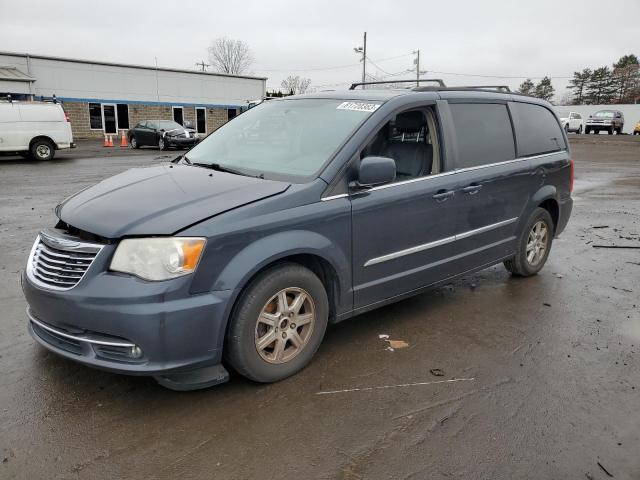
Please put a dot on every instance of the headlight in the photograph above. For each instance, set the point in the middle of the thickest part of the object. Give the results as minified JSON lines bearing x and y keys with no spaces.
{"x":158,"y":258}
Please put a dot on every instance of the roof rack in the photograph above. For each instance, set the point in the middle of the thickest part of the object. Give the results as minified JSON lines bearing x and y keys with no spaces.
{"x":433,"y":80}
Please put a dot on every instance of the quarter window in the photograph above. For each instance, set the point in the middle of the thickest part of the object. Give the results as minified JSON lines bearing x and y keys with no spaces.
{"x":484,"y":134}
{"x":95,"y":116}
{"x":537,"y":129}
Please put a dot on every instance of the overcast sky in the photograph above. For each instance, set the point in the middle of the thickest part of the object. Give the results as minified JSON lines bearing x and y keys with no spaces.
{"x":316,"y":39}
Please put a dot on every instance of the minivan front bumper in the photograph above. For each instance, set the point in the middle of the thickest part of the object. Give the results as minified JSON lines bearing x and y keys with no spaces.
{"x":126,"y":325}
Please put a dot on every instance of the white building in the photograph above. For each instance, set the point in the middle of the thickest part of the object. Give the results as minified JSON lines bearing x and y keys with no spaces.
{"x":101,"y":97}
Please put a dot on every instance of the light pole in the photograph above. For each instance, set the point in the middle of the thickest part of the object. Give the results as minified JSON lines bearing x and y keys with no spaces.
{"x":417,"y":63}
{"x":363,"y":51}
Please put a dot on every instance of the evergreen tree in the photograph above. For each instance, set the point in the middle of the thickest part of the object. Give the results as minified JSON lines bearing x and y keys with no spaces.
{"x":544,"y":89}
{"x":626,"y":79}
{"x":579,"y":84}
{"x":601,"y":87}
{"x":527,"y":87}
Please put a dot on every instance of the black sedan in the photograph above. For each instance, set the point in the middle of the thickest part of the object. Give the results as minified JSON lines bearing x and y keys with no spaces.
{"x":162,"y":134}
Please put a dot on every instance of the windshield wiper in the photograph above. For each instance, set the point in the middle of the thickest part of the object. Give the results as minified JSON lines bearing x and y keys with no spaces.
{"x":221,"y":168}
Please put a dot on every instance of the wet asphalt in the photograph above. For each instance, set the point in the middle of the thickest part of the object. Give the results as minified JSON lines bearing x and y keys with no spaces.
{"x":548,"y":367}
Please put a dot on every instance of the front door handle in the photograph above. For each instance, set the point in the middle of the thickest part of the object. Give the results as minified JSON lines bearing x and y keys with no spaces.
{"x":472,"y":189}
{"x":443,"y":195}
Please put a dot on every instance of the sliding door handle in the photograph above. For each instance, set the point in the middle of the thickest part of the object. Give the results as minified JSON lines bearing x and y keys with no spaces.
{"x":443,"y":195}
{"x":472,"y":189}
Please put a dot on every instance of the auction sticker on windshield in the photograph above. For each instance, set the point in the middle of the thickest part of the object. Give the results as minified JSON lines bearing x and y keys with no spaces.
{"x":358,"y":106}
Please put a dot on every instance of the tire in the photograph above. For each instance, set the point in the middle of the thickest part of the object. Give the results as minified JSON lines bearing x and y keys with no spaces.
{"x":521,"y":265}
{"x":133,"y":143}
{"x":162,"y":145}
{"x":587,"y":130}
{"x":566,"y":128}
{"x":262,"y":301}
{"x":579,"y":132}
{"x":610,"y":130}
{"x":42,"y":149}
{"x":619,"y":131}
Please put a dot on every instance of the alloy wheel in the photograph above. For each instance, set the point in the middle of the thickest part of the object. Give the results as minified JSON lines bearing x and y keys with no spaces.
{"x":285,"y":325}
{"x":43,"y":151}
{"x":537,"y":243}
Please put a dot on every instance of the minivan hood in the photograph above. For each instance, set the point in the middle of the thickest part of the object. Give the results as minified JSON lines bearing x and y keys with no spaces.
{"x":161,"y":200}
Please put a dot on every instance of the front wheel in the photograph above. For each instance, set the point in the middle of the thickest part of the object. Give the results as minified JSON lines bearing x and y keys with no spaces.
{"x":42,"y":150}
{"x":278,"y":324}
{"x":534,"y":245}
{"x":133,"y":143}
{"x":162,"y":145}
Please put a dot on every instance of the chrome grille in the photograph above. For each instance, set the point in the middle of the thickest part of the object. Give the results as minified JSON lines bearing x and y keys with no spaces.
{"x":58,"y":261}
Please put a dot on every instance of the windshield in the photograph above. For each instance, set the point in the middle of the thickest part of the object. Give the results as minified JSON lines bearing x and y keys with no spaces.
{"x":562,"y":114}
{"x":168,"y":125}
{"x":604,"y":114}
{"x":287,"y":138}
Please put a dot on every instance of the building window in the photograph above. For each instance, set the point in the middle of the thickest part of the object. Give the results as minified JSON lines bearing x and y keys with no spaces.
{"x":201,"y":120}
{"x":95,"y":116}
{"x":178,"y":115}
{"x":123,"y":116}
{"x":231,"y":113}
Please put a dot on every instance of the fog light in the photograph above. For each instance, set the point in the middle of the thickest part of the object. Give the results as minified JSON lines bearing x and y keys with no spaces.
{"x":136,"y":351}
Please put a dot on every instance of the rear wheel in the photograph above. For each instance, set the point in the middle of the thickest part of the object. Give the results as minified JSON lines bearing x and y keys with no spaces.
{"x":278,"y":324}
{"x":534,"y":245}
{"x":42,"y":150}
{"x":579,"y":130}
{"x":566,"y":127}
{"x":610,"y":131}
{"x":587,"y":131}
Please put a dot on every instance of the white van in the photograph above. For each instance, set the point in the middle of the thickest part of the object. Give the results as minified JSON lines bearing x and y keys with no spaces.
{"x":37,"y":129}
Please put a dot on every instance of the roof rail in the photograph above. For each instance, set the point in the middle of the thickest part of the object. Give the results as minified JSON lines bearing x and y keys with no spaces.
{"x":434,"y":80}
{"x":499,"y":88}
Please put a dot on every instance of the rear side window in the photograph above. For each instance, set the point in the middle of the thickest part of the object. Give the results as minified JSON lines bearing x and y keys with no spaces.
{"x":484,"y":133}
{"x":95,"y":116}
{"x":537,"y":130}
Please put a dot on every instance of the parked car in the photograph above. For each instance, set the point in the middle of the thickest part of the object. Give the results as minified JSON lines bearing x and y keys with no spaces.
{"x":241,"y":252}
{"x":636,"y":129}
{"x":163,"y":134}
{"x":570,"y":121}
{"x":34,"y":129}
{"x":610,"y":121}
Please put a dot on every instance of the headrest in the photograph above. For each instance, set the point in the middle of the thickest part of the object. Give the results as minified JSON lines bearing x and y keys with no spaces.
{"x":410,"y":122}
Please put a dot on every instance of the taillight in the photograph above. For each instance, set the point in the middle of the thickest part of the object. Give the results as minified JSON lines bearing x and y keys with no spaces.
{"x":570,"y":176}
{"x":66,"y":117}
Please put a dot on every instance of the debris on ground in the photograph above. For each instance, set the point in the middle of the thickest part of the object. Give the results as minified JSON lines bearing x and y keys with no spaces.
{"x":393,"y":344}
{"x":600,"y":226}
{"x":617,"y":246}
{"x":437,"y":372}
{"x":546,"y":304}
{"x":401,"y":385}
{"x":605,"y":470}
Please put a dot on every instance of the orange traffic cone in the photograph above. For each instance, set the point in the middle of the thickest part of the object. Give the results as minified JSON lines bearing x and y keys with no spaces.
{"x":110,"y":143}
{"x":123,"y":141}
{"x":106,"y":142}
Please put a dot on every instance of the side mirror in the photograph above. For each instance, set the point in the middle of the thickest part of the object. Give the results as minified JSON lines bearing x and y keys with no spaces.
{"x":618,"y":115}
{"x":376,"y":171}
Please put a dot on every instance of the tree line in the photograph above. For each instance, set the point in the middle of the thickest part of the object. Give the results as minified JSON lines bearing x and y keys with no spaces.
{"x":618,"y":84}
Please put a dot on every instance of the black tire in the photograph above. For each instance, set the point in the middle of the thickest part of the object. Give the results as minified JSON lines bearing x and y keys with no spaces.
{"x":619,"y":131}
{"x":566,"y":127}
{"x":241,"y":349}
{"x":162,"y":145}
{"x":610,"y":130}
{"x":520,"y":265}
{"x":579,"y":132}
{"x":587,"y":131}
{"x":133,"y":142}
{"x":42,"y":149}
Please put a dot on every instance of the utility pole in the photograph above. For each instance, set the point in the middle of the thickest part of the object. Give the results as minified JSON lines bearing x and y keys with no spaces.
{"x":417,"y":62}
{"x":363,"y":51}
{"x":203,"y":66}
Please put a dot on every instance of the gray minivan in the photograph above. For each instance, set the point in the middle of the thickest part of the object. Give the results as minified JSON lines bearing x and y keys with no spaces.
{"x":299,"y":213}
